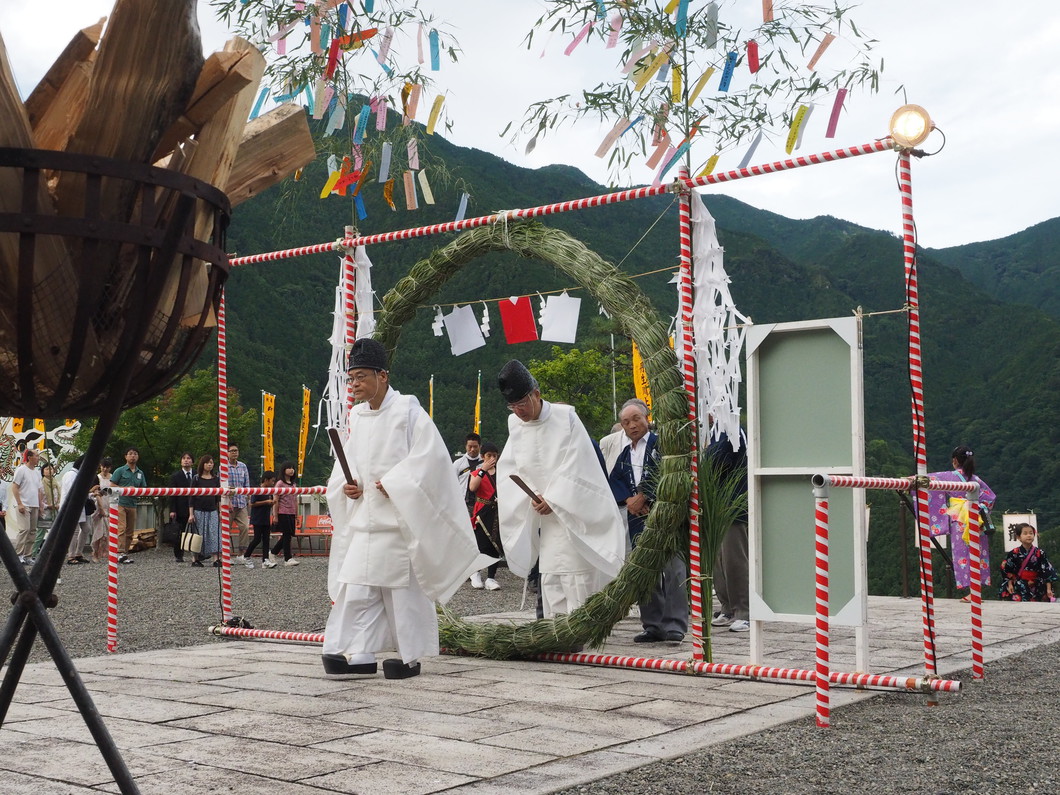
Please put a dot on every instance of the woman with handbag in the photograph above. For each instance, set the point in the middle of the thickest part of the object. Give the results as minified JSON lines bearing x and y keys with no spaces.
{"x":204,"y":512}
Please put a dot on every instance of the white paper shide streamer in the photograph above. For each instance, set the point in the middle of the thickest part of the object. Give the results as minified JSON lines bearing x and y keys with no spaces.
{"x":334,"y":397}
{"x":364,"y":295}
{"x":719,"y":331}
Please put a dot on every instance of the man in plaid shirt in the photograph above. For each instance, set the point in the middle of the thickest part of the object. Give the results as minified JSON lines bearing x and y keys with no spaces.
{"x":239,"y":478}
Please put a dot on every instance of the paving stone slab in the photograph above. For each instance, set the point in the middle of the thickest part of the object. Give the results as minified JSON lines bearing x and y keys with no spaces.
{"x":559,"y":774}
{"x":259,"y":757}
{"x":389,"y":778}
{"x":293,"y":731}
{"x":453,"y":756}
{"x":438,"y":724}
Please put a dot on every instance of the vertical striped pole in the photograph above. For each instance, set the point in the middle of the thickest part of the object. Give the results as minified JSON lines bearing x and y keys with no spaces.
{"x":688,"y":375}
{"x":916,"y":381}
{"x":349,"y":304}
{"x":112,"y":576}
{"x":975,"y":530}
{"x":822,"y":605}
{"x":222,"y":436}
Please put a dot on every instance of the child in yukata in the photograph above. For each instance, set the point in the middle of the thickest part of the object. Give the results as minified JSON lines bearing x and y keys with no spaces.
{"x":1029,"y":576}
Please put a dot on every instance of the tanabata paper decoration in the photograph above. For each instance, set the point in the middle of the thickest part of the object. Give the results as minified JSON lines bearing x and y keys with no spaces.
{"x":517,"y":318}
{"x":461,"y":210}
{"x":380,"y":112}
{"x":718,"y":329}
{"x":751,"y":150}
{"x":767,"y":10}
{"x":820,"y":50}
{"x":798,"y":125}
{"x":464,"y":333}
{"x":616,"y":29}
{"x":559,"y":318}
{"x":611,"y":137}
{"x":580,"y":37}
{"x":409,"y":180}
{"x":726,"y":76}
{"x":414,"y":154}
{"x":384,"y":165}
{"x":438,"y":324}
{"x":436,"y":109}
{"x":837,"y":106}
{"x":708,"y":169}
{"x":711,"y":25}
{"x":681,"y":21}
{"x":384,"y":46}
{"x":388,"y":194}
{"x":752,"y":56}
{"x":260,"y":101}
{"x":485,"y":324}
{"x":363,"y":294}
{"x":425,"y":188}
{"x":436,"y":61}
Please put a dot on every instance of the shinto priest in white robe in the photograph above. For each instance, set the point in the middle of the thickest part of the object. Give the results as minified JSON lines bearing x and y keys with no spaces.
{"x":582,"y":543}
{"x":393,"y":557}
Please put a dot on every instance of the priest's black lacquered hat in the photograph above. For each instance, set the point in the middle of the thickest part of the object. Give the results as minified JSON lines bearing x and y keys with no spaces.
{"x":515,"y":381}
{"x":367,"y":354}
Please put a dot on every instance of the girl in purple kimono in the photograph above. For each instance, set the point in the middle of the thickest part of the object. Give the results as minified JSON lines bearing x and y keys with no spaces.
{"x":944,"y":515}
{"x":1028,"y":576}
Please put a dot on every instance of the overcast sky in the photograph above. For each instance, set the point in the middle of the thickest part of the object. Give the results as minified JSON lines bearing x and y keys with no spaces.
{"x":986,"y":72}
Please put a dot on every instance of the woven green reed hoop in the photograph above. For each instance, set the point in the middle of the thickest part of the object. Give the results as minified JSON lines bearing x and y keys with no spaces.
{"x":666,"y":530}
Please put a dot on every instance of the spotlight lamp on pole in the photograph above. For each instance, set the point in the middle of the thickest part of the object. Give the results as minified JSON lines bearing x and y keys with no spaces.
{"x":910,"y":126}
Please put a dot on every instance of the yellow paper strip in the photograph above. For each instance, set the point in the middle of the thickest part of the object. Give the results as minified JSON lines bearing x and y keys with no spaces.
{"x":436,"y":109}
{"x":793,"y":133}
{"x":671,"y":6}
{"x":330,"y":184}
{"x":641,"y":388}
{"x":388,"y":194}
{"x":425,"y":187}
{"x":648,"y":73}
{"x":820,"y":51}
{"x":303,"y":430}
{"x":699,"y":85}
{"x":675,"y":82}
{"x":708,"y":169}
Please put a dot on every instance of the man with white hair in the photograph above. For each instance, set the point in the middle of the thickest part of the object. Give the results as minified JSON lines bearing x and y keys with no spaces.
{"x":571,"y":526}
{"x":664,"y":615}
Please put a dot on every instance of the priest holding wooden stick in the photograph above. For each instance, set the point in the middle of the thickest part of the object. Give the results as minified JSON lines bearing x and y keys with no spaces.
{"x":401,"y":538}
{"x":568,"y":521}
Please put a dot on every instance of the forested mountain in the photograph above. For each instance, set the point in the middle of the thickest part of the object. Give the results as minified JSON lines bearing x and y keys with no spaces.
{"x":992,"y":369}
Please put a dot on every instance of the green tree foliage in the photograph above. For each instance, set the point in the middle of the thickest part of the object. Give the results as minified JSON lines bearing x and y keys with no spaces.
{"x":182,"y":418}
{"x":674,"y":45}
{"x":583,"y":379}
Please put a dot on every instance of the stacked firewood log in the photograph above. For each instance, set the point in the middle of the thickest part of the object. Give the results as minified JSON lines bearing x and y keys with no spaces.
{"x":136,"y":88}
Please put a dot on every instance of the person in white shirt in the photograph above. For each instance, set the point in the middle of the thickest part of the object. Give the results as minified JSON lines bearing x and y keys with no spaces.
{"x":25,"y":493}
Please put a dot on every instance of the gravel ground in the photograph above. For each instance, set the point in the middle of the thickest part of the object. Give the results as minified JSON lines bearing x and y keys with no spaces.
{"x":999,"y":736}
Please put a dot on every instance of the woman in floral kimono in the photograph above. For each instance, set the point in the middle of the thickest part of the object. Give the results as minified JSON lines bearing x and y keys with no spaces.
{"x":1028,"y":574}
{"x":947,"y":514}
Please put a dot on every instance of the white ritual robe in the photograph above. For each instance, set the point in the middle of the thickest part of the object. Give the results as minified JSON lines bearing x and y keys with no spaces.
{"x":581,"y":545}
{"x":418,"y":540}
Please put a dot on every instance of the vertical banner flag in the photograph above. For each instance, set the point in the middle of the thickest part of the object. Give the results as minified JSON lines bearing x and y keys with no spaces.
{"x":517,"y":318}
{"x":17,"y":424}
{"x":38,"y":425}
{"x":431,"y":401}
{"x":268,"y":409}
{"x":478,"y":402}
{"x":640,"y":378}
{"x":303,"y":430}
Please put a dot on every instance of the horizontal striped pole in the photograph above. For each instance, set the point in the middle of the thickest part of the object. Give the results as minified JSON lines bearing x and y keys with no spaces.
{"x":267,"y":634}
{"x":130,"y":491}
{"x":758,"y":672}
{"x":897,"y":484}
{"x":882,"y":145}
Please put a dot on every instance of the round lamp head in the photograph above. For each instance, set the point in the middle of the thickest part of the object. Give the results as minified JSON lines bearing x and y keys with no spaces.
{"x":910,"y":126}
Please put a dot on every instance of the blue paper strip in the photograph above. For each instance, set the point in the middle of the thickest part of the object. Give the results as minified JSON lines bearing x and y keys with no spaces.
{"x":362,"y":122}
{"x":632,"y":124}
{"x":343,"y":10}
{"x":261,"y":101}
{"x":369,"y":6}
{"x":674,"y":158}
{"x":601,"y":9}
{"x":435,"y":55}
{"x":384,"y":67}
{"x":681,"y":23}
{"x":358,"y":202}
{"x":462,"y":209}
{"x":726,"y":76}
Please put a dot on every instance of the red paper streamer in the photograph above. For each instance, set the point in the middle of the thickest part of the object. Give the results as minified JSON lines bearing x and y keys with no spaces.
{"x":518,"y":320}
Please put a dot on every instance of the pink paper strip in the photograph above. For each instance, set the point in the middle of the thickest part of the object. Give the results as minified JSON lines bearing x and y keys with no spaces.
{"x":580,"y":37}
{"x":669,"y":153}
{"x":660,"y":150}
{"x":616,"y":28}
{"x":767,"y":10}
{"x":414,"y":154}
{"x":414,"y":101}
{"x":611,"y":137}
{"x":419,"y":43}
{"x":837,"y":106}
{"x":634,"y":58}
{"x":380,"y":113}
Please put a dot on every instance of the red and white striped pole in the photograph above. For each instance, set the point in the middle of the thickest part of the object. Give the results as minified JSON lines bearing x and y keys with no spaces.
{"x":975,"y":531}
{"x":112,"y":577}
{"x":688,"y":375}
{"x":820,"y":494}
{"x":882,"y":145}
{"x":267,"y":634}
{"x":222,"y":437}
{"x":916,"y":380}
{"x":349,"y":307}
